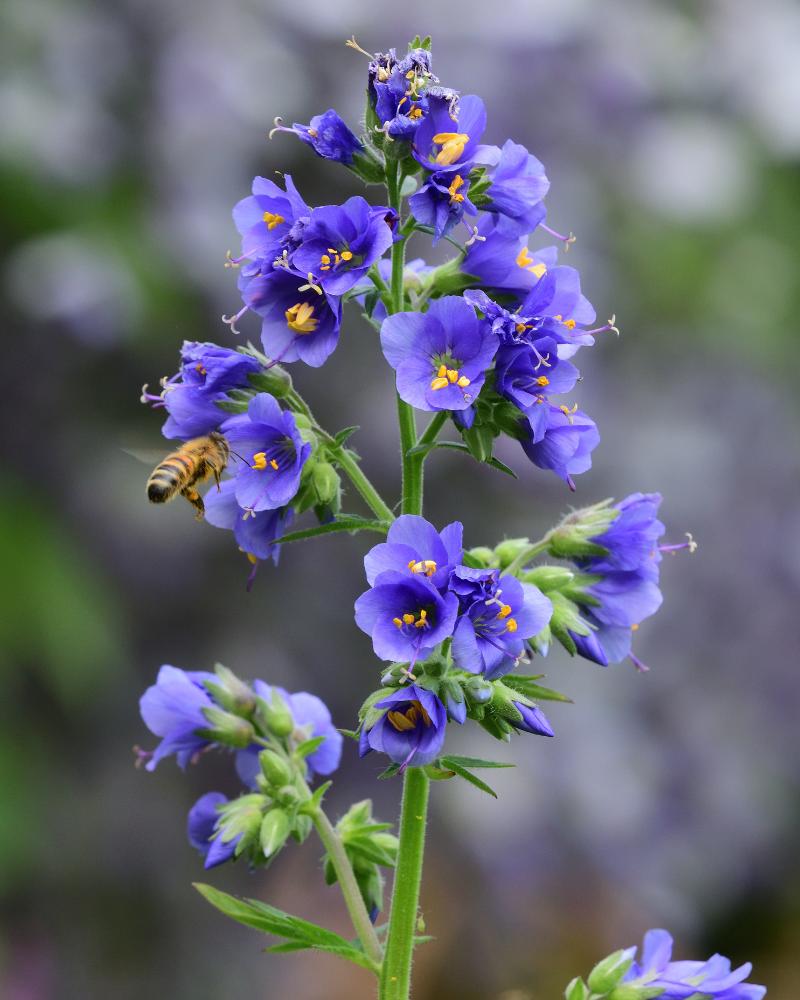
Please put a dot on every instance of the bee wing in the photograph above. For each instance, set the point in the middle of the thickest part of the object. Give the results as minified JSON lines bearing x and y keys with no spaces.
{"x":147,"y":456}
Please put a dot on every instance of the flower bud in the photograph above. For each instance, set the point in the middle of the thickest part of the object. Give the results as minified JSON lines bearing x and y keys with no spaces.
{"x":452,"y":695}
{"x":577,"y":990}
{"x":275,"y":829}
{"x":231,"y":692}
{"x":478,"y":690}
{"x":326,"y":483}
{"x":288,"y":797}
{"x":275,"y":380}
{"x":506,"y":552}
{"x":632,"y":991}
{"x":275,"y":768}
{"x":277,"y":716}
{"x":303,"y":825}
{"x":482,"y":555}
{"x":610,"y":972}
{"x":548,"y":578}
{"x":231,"y":730}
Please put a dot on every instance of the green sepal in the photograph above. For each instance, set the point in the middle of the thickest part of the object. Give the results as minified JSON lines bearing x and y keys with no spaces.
{"x":481,"y":557}
{"x":301,"y":828}
{"x":632,"y":991}
{"x":420,"y":43}
{"x":527,"y":686}
{"x":231,"y":692}
{"x":278,"y":718}
{"x":548,"y":578}
{"x":479,"y":440}
{"x":479,"y":184}
{"x":307,"y":747}
{"x":275,"y":768}
{"x":577,"y":990}
{"x":389,"y":772}
{"x":610,"y":972}
{"x":227,"y":728}
{"x":276,"y":381}
{"x":275,"y":829}
{"x":340,"y":437}
{"x":368,"y":166}
{"x":314,"y":804}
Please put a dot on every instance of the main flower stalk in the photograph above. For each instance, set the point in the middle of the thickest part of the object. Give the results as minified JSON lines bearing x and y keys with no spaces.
{"x":396,"y":971}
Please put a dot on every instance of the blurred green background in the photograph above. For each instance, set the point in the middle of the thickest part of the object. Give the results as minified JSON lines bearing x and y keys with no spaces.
{"x":671,"y":135}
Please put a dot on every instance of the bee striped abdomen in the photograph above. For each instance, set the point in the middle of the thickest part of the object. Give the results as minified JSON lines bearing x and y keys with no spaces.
{"x":192,"y":464}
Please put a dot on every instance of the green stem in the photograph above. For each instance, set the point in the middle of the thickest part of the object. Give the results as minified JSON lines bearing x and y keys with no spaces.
{"x":350,"y":891}
{"x":354,"y":473}
{"x":347,"y":463}
{"x":431,"y":432}
{"x":396,"y":972}
{"x":527,"y":554}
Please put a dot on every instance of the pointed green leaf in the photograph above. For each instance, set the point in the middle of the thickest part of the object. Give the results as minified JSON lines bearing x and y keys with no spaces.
{"x":472,"y":761}
{"x":347,"y":522}
{"x":349,"y":952}
{"x":390,"y":772}
{"x":307,"y":747}
{"x":462,"y":772}
{"x":529,"y":687}
{"x":341,"y":436}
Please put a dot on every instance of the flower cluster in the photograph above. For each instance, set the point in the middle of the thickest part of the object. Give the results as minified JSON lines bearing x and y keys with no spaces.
{"x":622,"y":977}
{"x":279,"y":740}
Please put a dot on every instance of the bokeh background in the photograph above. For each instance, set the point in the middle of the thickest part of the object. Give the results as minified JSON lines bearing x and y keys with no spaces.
{"x":671,"y":134}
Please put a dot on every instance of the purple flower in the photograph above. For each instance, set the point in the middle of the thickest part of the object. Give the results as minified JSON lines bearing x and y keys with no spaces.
{"x":502,"y":260}
{"x":441,"y":356}
{"x":518,"y":185}
{"x":311,"y":718}
{"x":399,"y":90}
{"x":448,"y":137}
{"x":341,"y":242}
{"x":559,"y":439}
{"x":631,"y":538}
{"x":190,"y":397}
{"x":265,"y":219}
{"x":556,"y":308}
{"x":406,"y":616}
{"x":527,"y":374}
{"x":299,"y":321}
{"x":496,"y":615}
{"x":255,"y":532}
{"x":272,"y":454}
{"x":414,"y":548}
{"x":684,"y":980}
{"x":328,"y":135}
{"x":203,"y":830}
{"x":441,"y":203}
{"x":172,"y":708}
{"x":533,"y":720}
{"x":412,"y":729}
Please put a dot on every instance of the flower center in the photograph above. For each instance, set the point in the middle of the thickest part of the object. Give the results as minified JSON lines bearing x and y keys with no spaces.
{"x":300,"y":318}
{"x":449,"y":376}
{"x":272,"y":219}
{"x":260,"y":461}
{"x":403,"y":722}
{"x":333,"y":259}
{"x":420,"y":620}
{"x":458,"y":181}
{"x":527,"y":263}
{"x":426,"y":566}
{"x":452,"y":144}
{"x":200,"y":368}
{"x":568,"y":323}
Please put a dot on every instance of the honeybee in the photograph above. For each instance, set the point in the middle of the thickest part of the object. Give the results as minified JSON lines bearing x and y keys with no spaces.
{"x":184,"y":469}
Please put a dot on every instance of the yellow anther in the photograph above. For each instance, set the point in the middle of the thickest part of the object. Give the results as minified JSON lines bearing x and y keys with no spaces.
{"x":272,"y":219}
{"x":634,"y":627}
{"x":463,"y":381}
{"x":408,"y":619}
{"x":567,"y":411}
{"x":259,"y":460}
{"x":543,"y":380}
{"x":410,"y":76}
{"x":505,"y":611}
{"x":200,"y":368}
{"x":452,"y":144}
{"x":415,"y":113}
{"x":251,"y":558}
{"x":569,"y":323}
{"x":442,"y":372}
{"x":439,"y":383}
{"x":313,"y":133}
{"x":401,"y":721}
{"x":421,"y":622}
{"x":273,"y":464}
{"x":426,"y":566}
{"x":458,"y":181}
{"x":398,"y":622}
{"x":300,"y":318}
{"x":452,"y":375}
{"x":346,"y":255}
{"x":511,"y":625}
{"x":527,"y":263}
{"x":522,"y":327}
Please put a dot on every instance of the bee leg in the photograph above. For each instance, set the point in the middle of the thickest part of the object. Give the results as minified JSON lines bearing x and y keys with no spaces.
{"x":196,"y":501}
{"x":217,"y":473}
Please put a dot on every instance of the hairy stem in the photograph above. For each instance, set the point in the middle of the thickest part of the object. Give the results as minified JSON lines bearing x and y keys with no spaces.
{"x":396,"y":972}
{"x":347,"y":883}
{"x":527,"y":554}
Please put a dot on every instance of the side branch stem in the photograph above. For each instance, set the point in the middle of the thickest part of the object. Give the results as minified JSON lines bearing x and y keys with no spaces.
{"x":527,"y":554}
{"x":350,"y":891}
